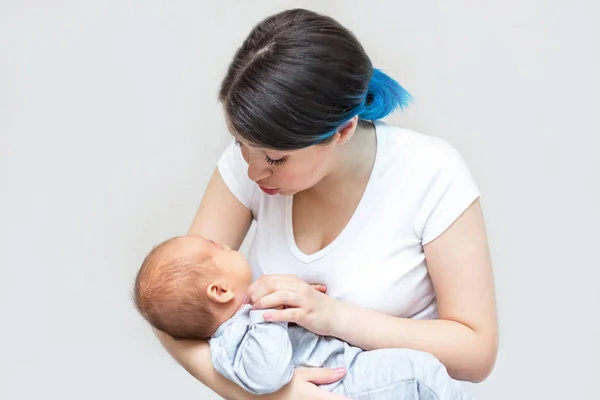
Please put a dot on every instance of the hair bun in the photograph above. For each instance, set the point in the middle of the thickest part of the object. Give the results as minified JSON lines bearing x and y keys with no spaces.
{"x":384,"y":96}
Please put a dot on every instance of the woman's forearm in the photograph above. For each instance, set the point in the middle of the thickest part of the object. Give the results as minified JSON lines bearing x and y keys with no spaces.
{"x":194,"y":357}
{"x":468,"y":355}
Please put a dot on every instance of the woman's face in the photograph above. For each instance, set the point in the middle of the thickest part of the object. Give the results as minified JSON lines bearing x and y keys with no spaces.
{"x":287,"y":172}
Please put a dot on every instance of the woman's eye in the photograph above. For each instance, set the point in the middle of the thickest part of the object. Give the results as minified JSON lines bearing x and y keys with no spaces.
{"x":270,"y":161}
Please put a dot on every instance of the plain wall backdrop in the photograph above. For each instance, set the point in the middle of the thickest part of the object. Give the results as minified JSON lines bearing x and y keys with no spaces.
{"x":110,"y":129}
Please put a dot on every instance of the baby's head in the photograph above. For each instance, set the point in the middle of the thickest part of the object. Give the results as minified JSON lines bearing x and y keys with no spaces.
{"x":188,"y":286}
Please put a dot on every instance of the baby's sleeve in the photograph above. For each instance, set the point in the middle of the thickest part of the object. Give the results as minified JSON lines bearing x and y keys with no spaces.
{"x":448,"y":189}
{"x":234,"y":171}
{"x":262,"y":362}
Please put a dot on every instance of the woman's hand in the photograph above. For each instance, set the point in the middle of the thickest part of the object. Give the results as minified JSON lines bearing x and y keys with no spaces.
{"x":304,"y":385}
{"x":306,"y":305}
{"x":319,"y":287}
{"x":303,"y":304}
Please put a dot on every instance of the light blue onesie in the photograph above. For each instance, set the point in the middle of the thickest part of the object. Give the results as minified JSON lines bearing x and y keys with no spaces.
{"x":261,"y":356}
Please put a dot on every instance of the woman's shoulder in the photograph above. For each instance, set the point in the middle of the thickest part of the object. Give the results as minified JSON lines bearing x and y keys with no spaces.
{"x":403,"y":148}
{"x":432,"y":173}
{"x":232,"y":168}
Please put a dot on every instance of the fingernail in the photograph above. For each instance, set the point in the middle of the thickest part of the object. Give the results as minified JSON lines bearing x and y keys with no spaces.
{"x":267,"y":317}
{"x":339,"y":371}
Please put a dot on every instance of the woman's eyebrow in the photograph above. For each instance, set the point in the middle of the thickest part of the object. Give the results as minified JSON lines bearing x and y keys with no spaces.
{"x":240,"y":140}
{"x":263,"y":149}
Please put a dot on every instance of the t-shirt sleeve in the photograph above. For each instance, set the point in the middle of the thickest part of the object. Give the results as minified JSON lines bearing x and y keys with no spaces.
{"x":233,"y":170}
{"x":449,"y":190}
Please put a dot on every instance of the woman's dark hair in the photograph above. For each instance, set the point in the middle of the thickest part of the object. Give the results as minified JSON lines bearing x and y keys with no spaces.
{"x":298,"y":77}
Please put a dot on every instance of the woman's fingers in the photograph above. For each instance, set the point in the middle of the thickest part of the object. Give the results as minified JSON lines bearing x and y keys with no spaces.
{"x":268,"y":284}
{"x":277,"y":299}
{"x":287,"y":315}
{"x":320,"y":288}
{"x":271,"y":279}
{"x":282,"y":297}
{"x":305,"y":380}
{"x":320,"y":376}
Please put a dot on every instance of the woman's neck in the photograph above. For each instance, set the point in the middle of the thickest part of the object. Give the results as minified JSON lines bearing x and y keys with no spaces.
{"x":352,"y":168}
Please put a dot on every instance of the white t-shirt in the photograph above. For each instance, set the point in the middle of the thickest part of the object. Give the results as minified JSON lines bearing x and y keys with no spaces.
{"x":418,"y":187}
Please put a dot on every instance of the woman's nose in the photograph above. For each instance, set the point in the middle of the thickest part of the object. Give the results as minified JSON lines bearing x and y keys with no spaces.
{"x":257,"y":170}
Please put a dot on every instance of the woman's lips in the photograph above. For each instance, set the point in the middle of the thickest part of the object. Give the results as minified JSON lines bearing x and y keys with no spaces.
{"x":269,"y":191}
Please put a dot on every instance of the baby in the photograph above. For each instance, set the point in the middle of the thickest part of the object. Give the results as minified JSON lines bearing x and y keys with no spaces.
{"x":193,"y":288}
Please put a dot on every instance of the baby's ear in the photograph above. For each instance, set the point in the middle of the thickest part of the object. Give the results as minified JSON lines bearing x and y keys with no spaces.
{"x":220,"y":292}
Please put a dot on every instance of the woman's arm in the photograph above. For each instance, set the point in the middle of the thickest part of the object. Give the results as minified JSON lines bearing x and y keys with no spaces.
{"x":221,"y":217}
{"x":465,"y":338}
{"x":194,"y":357}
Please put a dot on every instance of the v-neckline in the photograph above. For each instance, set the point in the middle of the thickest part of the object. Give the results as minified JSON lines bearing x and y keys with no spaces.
{"x":289,"y":220}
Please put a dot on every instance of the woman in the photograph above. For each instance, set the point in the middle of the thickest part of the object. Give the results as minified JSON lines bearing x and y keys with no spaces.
{"x":388,"y":219}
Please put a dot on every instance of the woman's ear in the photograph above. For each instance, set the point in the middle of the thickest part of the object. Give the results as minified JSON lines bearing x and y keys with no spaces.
{"x":219,"y":293}
{"x":346,"y":131}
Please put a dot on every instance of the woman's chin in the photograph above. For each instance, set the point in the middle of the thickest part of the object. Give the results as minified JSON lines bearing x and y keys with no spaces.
{"x":288,"y":192}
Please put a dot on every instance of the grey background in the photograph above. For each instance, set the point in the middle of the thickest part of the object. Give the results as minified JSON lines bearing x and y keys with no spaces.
{"x":110,"y":128}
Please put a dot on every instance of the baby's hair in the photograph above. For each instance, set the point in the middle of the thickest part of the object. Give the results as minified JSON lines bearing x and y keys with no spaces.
{"x":170,"y":293}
